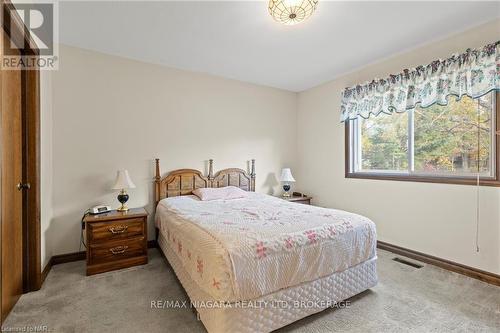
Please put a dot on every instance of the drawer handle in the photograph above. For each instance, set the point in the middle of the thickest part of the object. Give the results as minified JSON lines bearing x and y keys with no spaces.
{"x":118,"y":249}
{"x":118,"y":230}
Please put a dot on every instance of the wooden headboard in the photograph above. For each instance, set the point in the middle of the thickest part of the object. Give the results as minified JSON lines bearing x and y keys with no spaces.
{"x":184,"y":181}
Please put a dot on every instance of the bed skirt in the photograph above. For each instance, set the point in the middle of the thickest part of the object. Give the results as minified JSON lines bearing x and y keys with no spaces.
{"x":278,"y":309}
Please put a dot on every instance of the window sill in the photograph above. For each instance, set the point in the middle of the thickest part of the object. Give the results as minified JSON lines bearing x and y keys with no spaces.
{"x":424,"y":179}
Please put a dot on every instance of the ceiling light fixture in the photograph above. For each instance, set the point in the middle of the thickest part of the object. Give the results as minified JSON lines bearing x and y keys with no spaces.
{"x":290,"y":12}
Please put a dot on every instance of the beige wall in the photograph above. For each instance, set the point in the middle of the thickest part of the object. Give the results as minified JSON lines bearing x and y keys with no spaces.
{"x":46,"y":163}
{"x":111,"y":113}
{"x":436,"y":219}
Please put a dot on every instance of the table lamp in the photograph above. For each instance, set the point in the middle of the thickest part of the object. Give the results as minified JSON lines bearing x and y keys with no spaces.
{"x":286,"y":178}
{"x":122,"y":183}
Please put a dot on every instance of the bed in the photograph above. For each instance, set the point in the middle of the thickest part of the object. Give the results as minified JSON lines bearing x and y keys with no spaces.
{"x":258,"y":263}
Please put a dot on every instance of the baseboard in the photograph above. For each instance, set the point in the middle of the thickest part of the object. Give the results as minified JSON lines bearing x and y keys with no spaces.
{"x":61,"y":259}
{"x":46,"y":271}
{"x":75,"y":256}
{"x":472,"y":272}
{"x":68,"y":257}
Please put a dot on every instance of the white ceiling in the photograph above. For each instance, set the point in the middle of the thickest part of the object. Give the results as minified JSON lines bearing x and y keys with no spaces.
{"x":239,"y":40}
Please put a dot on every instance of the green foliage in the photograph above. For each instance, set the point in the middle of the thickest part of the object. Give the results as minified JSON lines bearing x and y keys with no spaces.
{"x":384,"y":141}
{"x":445,"y":138}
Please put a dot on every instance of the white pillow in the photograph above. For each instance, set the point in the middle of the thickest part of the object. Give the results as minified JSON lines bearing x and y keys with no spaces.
{"x":225,"y":193}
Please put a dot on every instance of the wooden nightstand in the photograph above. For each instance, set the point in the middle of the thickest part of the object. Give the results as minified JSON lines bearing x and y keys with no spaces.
{"x":116,"y":240}
{"x":302,"y":200}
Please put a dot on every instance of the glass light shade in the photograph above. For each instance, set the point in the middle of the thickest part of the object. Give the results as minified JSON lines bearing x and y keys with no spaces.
{"x":290,"y":12}
{"x":286,"y":176}
{"x":123,"y":181}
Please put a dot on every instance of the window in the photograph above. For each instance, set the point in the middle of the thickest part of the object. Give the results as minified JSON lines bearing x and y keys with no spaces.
{"x":437,"y":144}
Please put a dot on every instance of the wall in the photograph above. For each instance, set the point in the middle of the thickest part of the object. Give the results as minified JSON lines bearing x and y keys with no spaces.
{"x":112,"y":113}
{"x":46,"y":164}
{"x":436,"y":219}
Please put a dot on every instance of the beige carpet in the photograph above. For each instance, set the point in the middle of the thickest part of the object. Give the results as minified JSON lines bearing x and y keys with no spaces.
{"x":406,"y":299}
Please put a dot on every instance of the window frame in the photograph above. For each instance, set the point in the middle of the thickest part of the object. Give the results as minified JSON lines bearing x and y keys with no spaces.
{"x":416,"y":177}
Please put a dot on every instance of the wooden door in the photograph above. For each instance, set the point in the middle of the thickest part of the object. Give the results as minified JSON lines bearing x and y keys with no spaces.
{"x":11,"y":132}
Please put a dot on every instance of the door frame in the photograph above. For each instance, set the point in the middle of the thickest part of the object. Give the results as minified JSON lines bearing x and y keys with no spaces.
{"x":30,"y":81}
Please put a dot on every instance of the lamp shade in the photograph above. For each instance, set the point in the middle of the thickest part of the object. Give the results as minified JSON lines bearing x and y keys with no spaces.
{"x":286,"y":175}
{"x":123,"y":180}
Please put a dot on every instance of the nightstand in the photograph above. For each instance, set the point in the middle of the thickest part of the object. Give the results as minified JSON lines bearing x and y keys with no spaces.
{"x":303,"y":200}
{"x":116,"y":240}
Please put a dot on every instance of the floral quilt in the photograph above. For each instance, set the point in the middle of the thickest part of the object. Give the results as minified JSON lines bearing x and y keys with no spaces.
{"x":242,"y":249}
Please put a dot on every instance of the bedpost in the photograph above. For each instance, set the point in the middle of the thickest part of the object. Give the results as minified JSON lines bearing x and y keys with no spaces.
{"x":252,"y":175}
{"x":157,"y":181}
{"x":157,"y":193}
{"x":210,"y":169}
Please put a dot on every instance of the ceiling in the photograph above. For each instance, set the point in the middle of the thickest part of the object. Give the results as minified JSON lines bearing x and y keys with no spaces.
{"x":239,"y":40}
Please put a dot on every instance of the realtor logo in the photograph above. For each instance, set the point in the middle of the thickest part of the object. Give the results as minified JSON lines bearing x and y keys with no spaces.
{"x":40,"y":19}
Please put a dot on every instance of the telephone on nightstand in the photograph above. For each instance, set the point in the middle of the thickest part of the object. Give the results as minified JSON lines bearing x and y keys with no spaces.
{"x":99,"y":210}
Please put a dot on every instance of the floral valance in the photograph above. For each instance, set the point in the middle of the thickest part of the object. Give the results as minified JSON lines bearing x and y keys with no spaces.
{"x":473,"y":73}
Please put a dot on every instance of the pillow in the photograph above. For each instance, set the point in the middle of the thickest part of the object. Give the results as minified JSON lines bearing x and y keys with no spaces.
{"x":226,"y":193}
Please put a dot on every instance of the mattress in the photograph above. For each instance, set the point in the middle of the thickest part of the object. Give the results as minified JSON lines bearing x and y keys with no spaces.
{"x":275,"y":310}
{"x":243,"y":249}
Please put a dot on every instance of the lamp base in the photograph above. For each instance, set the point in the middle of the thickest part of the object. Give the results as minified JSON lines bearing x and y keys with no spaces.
{"x":286,"y":188}
{"x":122,"y":198}
{"x":122,"y":208}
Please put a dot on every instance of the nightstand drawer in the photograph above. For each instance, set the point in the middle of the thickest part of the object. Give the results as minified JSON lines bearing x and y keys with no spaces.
{"x":116,"y":230}
{"x":117,"y":250}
